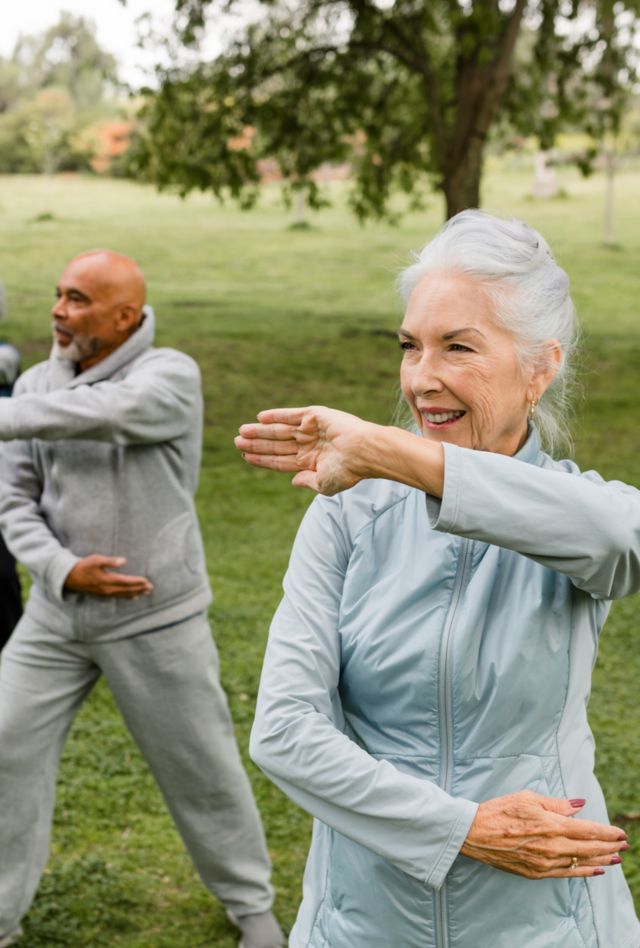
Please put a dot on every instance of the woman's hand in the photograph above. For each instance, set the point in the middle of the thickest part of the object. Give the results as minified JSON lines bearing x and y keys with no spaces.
{"x":539,"y":837}
{"x":330,"y":450}
{"x":325,"y":448}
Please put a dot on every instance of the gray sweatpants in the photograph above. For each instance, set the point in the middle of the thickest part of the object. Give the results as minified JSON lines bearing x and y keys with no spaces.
{"x":166,"y":685}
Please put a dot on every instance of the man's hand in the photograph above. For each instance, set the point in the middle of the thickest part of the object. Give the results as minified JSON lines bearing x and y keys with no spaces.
{"x":326,"y":449}
{"x":95,"y":575}
{"x":539,"y":837}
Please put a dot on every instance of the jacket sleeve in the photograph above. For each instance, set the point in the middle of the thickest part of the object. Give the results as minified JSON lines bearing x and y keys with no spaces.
{"x":298,"y":735}
{"x":24,"y":528}
{"x":156,"y":402}
{"x":575,"y":523}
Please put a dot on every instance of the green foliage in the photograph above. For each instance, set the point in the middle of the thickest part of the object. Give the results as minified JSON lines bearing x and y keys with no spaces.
{"x":578,"y":77}
{"x":66,"y":56}
{"x":277,"y":316}
{"x":51,"y":86}
{"x":407,"y":93}
{"x":402,"y":93}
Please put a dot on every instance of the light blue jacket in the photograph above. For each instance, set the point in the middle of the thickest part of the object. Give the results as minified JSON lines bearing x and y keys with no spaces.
{"x":427,"y":657}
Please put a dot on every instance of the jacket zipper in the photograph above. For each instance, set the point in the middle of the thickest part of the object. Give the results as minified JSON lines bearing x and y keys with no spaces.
{"x":446,"y":721}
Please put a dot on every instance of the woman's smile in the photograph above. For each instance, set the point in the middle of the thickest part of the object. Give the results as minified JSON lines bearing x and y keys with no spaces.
{"x":437,"y":417}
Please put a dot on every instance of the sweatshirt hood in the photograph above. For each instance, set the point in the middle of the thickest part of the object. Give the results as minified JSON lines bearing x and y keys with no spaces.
{"x":64,"y":370}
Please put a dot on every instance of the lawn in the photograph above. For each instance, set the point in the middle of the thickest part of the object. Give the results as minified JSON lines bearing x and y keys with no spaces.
{"x":279,"y":316}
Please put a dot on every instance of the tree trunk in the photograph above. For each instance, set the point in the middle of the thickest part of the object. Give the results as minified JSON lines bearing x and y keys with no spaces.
{"x":461,"y":184}
{"x":545,"y":179}
{"x":610,"y":170}
{"x":480,"y":89}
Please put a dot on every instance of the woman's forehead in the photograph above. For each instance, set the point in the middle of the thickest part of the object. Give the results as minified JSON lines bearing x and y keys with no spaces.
{"x":444,"y":301}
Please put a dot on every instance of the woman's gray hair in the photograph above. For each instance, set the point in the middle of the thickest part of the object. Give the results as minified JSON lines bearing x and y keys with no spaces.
{"x":528,"y":289}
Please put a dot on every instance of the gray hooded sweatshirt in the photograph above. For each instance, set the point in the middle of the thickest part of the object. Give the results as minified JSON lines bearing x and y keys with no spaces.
{"x":106,"y":462}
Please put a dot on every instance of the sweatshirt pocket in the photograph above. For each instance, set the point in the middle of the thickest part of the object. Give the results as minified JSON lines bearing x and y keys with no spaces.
{"x":176,"y":564}
{"x":177,"y":557}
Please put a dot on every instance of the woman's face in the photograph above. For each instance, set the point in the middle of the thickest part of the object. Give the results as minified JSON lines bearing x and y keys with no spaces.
{"x":460,"y":373}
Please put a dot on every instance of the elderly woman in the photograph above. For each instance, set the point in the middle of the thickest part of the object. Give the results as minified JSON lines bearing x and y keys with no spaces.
{"x":427,"y":675}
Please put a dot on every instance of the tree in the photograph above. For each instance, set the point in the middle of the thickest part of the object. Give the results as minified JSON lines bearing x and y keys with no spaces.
{"x":582,"y":81}
{"x":404,"y":90}
{"x":617,"y":64}
{"x":50,"y":87}
{"x":35,"y":137}
{"x":68,"y":56}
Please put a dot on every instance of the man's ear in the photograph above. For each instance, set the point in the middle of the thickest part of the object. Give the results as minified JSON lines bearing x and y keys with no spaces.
{"x":128,"y":318}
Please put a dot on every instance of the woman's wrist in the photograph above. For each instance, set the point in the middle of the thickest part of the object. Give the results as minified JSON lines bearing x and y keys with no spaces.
{"x":399,"y":455}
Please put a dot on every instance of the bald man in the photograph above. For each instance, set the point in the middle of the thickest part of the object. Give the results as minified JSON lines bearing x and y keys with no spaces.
{"x":98,"y":476}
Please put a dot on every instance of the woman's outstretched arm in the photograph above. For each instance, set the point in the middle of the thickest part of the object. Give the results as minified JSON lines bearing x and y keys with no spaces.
{"x":329,"y":450}
{"x":488,"y":497}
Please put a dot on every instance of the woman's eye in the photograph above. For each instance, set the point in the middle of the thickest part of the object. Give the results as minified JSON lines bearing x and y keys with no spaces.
{"x":458,"y":347}
{"x":406,"y":345}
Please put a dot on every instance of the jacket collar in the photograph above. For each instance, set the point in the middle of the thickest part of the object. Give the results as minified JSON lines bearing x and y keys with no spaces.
{"x":63,"y":371}
{"x":530,"y":450}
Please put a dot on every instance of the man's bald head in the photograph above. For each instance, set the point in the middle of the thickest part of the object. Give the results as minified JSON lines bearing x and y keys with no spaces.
{"x":100,"y":297}
{"x":117,"y":273}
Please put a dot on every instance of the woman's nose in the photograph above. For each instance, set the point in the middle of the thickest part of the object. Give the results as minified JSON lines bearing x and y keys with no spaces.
{"x":426,"y":377}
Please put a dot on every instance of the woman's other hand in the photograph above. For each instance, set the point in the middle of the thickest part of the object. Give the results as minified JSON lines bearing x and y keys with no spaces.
{"x":539,"y":837}
{"x":325,"y":448}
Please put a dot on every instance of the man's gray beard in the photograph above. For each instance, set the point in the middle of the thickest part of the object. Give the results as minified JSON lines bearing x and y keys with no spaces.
{"x":70,"y":353}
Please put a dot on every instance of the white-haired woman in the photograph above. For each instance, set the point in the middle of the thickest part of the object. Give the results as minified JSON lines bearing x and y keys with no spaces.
{"x":425,"y":684}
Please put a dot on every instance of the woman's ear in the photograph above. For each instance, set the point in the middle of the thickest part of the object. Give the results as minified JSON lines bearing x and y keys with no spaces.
{"x":547,"y":365}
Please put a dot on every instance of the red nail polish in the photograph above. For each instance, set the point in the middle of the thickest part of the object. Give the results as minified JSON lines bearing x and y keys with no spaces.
{"x":576,"y":804}
{"x":615,"y":860}
{"x":598,"y":872}
{"x":624,"y":845}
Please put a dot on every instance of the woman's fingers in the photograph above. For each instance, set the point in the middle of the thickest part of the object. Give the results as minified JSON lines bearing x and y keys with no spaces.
{"x":559,"y":850}
{"x":580,"y":829}
{"x":535,"y":836}
{"x":274,"y":432}
{"x":325,"y":443}
{"x":308,"y":479}
{"x":288,"y":416}
{"x":274,"y":462}
{"x":566,"y":866}
{"x":256,"y":445}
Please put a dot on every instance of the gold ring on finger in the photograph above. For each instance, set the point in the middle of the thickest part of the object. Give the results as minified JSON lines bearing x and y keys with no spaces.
{"x":574,"y":862}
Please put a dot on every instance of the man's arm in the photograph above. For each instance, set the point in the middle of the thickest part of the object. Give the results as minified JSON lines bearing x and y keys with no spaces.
{"x":54,"y":567}
{"x":156,"y":402}
{"x":9,"y":364}
{"x":23,"y":526}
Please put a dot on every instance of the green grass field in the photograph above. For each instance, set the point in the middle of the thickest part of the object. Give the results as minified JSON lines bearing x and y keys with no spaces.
{"x":276,"y":316}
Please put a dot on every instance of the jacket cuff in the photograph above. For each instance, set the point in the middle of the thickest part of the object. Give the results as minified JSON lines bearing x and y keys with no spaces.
{"x":56,"y":573}
{"x":451,"y":850}
{"x":443,"y":514}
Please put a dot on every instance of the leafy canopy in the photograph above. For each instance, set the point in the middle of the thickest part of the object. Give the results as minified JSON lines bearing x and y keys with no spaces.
{"x":407,"y":92}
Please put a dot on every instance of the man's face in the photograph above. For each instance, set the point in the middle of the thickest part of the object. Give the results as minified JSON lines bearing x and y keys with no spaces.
{"x":87,"y":315}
